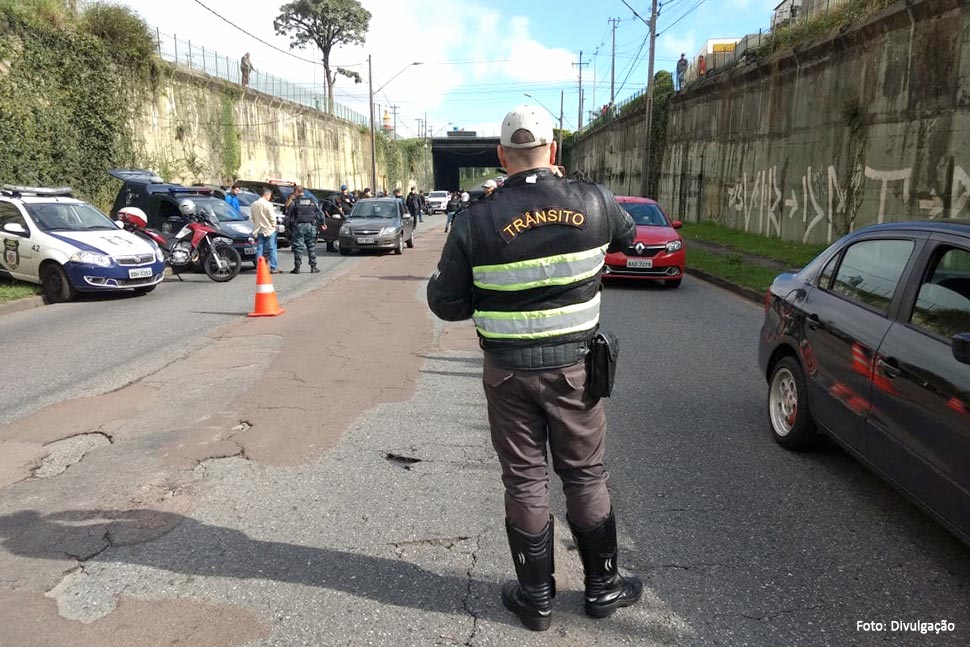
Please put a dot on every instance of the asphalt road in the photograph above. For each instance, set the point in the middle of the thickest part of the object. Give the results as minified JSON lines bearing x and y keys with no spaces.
{"x":186,"y":529}
{"x":102,"y":342}
{"x":748,"y":543}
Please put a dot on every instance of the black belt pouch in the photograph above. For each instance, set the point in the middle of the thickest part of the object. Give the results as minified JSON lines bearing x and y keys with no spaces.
{"x":604,"y":349}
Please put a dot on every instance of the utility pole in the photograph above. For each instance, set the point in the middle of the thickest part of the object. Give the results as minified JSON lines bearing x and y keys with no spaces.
{"x":595,"y":52}
{"x":394,"y":112}
{"x":614,"y":22}
{"x":647,"y":169}
{"x":580,"y":65}
{"x":562,"y":95}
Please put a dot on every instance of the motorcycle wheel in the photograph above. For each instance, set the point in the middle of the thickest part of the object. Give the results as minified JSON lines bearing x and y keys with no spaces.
{"x":231,"y":259}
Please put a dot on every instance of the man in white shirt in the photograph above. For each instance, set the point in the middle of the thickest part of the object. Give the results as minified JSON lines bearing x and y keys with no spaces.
{"x":264,"y":228}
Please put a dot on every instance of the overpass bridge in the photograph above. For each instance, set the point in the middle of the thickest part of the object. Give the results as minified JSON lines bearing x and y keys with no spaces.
{"x":451,"y":154}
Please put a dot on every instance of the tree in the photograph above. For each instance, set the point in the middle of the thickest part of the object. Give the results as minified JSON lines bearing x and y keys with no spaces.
{"x":324,"y":23}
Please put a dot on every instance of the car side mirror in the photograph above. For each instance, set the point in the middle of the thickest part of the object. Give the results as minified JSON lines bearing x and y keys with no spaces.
{"x":15,"y":228}
{"x":961,"y":347}
{"x":676,"y":224}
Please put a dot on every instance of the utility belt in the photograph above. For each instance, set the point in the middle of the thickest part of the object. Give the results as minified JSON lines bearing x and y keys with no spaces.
{"x":600,"y":354}
{"x":535,"y":358}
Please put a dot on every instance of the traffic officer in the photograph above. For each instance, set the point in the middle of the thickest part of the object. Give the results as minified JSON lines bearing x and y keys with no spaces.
{"x":303,"y":217}
{"x":524,"y":264}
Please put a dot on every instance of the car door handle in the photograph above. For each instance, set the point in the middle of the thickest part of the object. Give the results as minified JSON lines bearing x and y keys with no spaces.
{"x":813,"y":321}
{"x":889,"y":367}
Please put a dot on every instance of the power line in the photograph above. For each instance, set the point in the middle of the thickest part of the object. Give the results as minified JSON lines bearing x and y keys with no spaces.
{"x":693,"y":8}
{"x":270,"y":45}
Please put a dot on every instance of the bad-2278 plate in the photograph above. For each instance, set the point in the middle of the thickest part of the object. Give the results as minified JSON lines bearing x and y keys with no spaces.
{"x":642,"y":263}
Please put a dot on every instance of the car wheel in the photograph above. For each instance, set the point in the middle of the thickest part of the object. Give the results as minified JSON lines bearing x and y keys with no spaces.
{"x":674,"y":283}
{"x":789,"y":419}
{"x":410,"y":241}
{"x":144,"y":290}
{"x":400,"y":245}
{"x":57,"y":286}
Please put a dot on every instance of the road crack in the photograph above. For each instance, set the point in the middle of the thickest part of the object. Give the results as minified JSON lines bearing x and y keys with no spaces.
{"x":466,"y":599}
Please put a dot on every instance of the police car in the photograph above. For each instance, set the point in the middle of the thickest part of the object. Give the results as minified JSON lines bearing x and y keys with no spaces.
{"x":68,"y":246}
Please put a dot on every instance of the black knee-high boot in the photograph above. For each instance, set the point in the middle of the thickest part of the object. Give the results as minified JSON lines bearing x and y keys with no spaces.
{"x":530,"y":597}
{"x":606,"y":589}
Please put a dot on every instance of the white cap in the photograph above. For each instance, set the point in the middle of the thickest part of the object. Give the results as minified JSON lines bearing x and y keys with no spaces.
{"x":530,"y":118}
{"x":489,"y":184}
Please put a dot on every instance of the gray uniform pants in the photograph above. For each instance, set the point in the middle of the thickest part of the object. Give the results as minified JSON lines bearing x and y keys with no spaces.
{"x":304,"y":242}
{"x":527,"y":409}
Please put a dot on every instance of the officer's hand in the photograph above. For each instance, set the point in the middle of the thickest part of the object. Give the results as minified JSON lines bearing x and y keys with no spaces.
{"x":323,"y":227}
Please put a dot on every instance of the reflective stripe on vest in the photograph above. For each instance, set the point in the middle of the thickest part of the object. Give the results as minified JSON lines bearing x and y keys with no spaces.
{"x":538,"y":324}
{"x":561,"y":269}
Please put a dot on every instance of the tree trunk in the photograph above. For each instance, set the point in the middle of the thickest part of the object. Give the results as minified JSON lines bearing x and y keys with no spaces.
{"x":331,"y":79}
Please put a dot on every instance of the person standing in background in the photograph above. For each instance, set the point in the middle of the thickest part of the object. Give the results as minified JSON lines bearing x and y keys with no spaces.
{"x":245,"y":68}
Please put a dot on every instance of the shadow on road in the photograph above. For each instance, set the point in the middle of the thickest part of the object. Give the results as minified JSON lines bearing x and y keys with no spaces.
{"x":213,"y":551}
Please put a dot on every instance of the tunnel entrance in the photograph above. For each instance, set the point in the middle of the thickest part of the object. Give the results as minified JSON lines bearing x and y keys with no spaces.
{"x":451,"y":154}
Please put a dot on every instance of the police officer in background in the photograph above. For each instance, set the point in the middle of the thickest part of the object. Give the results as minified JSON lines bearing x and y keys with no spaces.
{"x":303,"y":218}
{"x":524,"y":263}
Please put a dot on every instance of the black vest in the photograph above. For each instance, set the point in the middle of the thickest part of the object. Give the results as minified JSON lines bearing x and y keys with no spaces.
{"x":537,"y":214}
{"x":303,"y":210}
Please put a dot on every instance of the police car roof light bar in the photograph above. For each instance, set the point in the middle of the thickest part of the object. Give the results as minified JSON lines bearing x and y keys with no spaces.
{"x":190,"y":189}
{"x":15,"y":191}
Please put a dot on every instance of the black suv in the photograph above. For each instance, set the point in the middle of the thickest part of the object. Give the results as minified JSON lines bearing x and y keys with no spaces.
{"x":870,"y":345}
{"x":160,"y":201}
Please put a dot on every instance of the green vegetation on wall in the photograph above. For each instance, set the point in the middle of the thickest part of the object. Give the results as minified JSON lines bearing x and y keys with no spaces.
{"x":839,"y":17}
{"x":230,"y":136}
{"x":64,"y":83}
{"x":404,"y":161}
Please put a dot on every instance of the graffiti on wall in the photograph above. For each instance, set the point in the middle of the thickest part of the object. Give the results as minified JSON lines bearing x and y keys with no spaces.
{"x":823,"y":199}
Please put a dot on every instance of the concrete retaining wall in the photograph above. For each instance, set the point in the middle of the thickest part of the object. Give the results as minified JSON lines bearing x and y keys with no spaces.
{"x":186,"y":128}
{"x":870,"y":125}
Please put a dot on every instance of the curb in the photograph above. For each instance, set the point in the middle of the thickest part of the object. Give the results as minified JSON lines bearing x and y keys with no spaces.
{"x":19,"y":305}
{"x":740,"y":290}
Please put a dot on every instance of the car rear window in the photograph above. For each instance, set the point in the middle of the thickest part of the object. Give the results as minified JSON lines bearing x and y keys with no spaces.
{"x":870,"y":271}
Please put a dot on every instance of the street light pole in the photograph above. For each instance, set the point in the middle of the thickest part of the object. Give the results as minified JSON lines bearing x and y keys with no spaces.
{"x":370,"y":102}
{"x":373,"y":137}
{"x":553,"y":115}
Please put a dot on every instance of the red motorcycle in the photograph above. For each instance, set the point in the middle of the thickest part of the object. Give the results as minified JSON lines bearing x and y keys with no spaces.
{"x":196,"y":243}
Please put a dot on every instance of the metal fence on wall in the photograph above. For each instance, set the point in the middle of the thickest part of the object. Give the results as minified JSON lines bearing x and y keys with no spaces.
{"x":208,"y":61}
{"x":787,"y":17}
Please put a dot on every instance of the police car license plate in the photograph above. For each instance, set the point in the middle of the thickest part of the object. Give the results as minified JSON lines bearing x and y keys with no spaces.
{"x":249,"y":250}
{"x":366,"y":239}
{"x":641,"y":263}
{"x":140,"y":273}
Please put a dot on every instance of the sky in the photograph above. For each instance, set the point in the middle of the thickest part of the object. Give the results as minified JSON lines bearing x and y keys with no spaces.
{"x":477,"y":58}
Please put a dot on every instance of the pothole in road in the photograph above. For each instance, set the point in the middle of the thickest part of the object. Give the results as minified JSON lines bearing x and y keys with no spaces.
{"x":69,"y":451}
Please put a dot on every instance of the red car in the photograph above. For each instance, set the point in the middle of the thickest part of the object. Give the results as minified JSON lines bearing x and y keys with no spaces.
{"x":657,"y":252}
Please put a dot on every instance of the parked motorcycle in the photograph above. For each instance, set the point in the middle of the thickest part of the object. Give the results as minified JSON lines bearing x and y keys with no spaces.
{"x":196,"y":243}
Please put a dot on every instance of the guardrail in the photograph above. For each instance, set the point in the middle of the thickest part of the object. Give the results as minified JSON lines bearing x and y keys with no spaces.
{"x":208,"y":61}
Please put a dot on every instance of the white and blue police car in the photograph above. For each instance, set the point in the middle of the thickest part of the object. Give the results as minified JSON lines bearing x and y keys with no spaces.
{"x":68,"y":246}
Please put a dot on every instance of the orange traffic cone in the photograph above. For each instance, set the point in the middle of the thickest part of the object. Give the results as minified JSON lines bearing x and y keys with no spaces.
{"x":266,"y":303}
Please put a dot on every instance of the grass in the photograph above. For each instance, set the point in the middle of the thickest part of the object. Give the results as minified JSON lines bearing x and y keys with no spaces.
{"x":731,"y":267}
{"x":789,"y":253}
{"x":11,"y":290}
